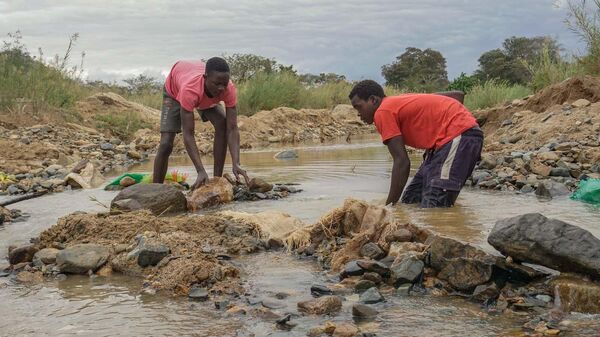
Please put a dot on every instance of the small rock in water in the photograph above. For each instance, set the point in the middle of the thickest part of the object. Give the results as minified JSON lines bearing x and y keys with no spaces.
{"x":345,"y":330}
{"x":363,"y":311}
{"x":81,"y":258}
{"x":22,"y":254}
{"x":318,"y":290}
{"x":550,"y":189}
{"x":287,"y":154}
{"x":404,"y":289}
{"x":371,"y":296}
{"x":45,"y":256}
{"x":272,"y":304}
{"x":199,"y":294}
{"x":352,"y":269}
{"x":259,"y":185}
{"x":321,"y":306}
{"x":485,"y":292}
{"x":406,"y":270}
{"x":372,"y":250}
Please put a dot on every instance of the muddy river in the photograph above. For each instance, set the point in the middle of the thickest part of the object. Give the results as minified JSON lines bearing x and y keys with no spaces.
{"x":115,"y":306}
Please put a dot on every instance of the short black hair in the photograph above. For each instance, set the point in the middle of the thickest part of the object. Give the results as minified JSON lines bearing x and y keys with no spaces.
{"x":217,"y":64}
{"x":365,"y":89}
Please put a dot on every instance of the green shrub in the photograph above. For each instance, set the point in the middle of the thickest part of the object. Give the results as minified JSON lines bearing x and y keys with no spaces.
{"x":463,"y":83}
{"x":268,"y":91}
{"x":492,"y":93}
{"x":547,"y":71}
{"x":122,"y":125}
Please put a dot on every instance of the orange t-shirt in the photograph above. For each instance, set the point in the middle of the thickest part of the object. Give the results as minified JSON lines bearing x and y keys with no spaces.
{"x":424,"y":121}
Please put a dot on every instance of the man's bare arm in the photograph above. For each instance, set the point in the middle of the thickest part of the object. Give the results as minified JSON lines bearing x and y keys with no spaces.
{"x":400,"y":168}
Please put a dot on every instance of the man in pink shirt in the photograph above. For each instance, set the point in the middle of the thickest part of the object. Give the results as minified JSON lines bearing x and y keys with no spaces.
{"x":202,"y":86}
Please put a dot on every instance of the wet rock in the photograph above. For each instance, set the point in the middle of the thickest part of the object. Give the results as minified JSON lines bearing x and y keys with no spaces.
{"x":551,"y":189}
{"x":487,"y":162}
{"x":485,"y":292}
{"x":127,"y":181}
{"x":401,"y":248}
{"x":577,"y":295}
{"x":106,"y":146}
{"x":259,"y":185}
{"x":321,"y":306}
{"x":134,"y":155}
{"x":22,"y":254}
{"x":151,"y":254}
{"x":81,"y":258}
{"x":526,"y":189}
{"x":363,"y":311}
{"x":404,"y":289}
{"x":158,"y":198}
{"x":371,"y":296}
{"x":318,"y":290}
{"x":517,"y":272}
{"x":345,"y":330}
{"x":45,"y":256}
{"x":373,"y":277}
{"x":479,"y":176}
{"x":372,"y":251}
{"x":364,"y":285}
{"x":272,"y":304}
{"x":352,"y":269}
{"x":406,"y":270}
{"x":198,"y":294}
{"x":400,"y":235}
{"x":374,"y":266}
{"x":217,"y":191}
{"x":287,"y":154}
{"x":461,"y":264}
{"x":548,"y":242}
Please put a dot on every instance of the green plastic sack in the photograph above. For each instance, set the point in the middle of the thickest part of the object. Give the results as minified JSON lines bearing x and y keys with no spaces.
{"x":138,"y":177}
{"x":588,"y":191}
{"x":146,"y":178}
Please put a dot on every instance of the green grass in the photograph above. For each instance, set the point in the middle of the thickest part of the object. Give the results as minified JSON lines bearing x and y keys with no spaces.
{"x":547,"y":71}
{"x":492,"y":93}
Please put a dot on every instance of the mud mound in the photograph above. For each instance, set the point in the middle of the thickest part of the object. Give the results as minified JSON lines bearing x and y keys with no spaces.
{"x":195,"y":245}
{"x":109,"y":102}
{"x":568,"y":91}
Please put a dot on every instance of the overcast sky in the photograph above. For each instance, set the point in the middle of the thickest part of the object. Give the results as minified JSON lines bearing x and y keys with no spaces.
{"x":355,"y":38}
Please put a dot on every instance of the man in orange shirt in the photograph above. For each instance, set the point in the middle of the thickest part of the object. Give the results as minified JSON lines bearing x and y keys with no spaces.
{"x":202,"y":86}
{"x":439,"y":124}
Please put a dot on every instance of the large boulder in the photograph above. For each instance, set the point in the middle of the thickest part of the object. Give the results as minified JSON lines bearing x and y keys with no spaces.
{"x":81,"y":258}
{"x":217,"y":191}
{"x":548,"y":242}
{"x":462,"y":265}
{"x":158,"y":198}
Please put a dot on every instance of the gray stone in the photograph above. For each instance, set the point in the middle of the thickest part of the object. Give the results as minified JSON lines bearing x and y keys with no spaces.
{"x":548,"y":242}
{"x":13,"y":189}
{"x":372,"y":251}
{"x":485,"y":292}
{"x":406,"y":270}
{"x":462,"y":265}
{"x":151,"y":254}
{"x":158,"y":198}
{"x":364,"y":285}
{"x":560,"y":172}
{"x":287,"y":154}
{"x":352,"y":269}
{"x":198,"y":294}
{"x":363,"y":311}
{"x":22,"y":254}
{"x":544,"y":298}
{"x":272,"y":304}
{"x":479,"y":176}
{"x":81,"y":258}
{"x":506,"y":122}
{"x":526,"y":189}
{"x":550,"y":189}
{"x":374,"y":266}
{"x":318,"y":290}
{"x":45,"y":256}
{"x":371,"y":296}
{"x":106,"y":146}
{"x":487,"y":162}
{"x":374,"y":277}
{"x":404,"y":289}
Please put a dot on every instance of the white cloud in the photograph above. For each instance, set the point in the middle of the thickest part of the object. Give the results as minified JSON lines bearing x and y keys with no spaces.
{"x":352,"y":37}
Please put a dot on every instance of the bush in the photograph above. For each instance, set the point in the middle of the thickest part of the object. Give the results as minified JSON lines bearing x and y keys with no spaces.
{"x":584,"y":20}
{"x":122,"y":125}
{"x":464,"y":83}
{"x":547,"y":71}
{"x":492,"y":93}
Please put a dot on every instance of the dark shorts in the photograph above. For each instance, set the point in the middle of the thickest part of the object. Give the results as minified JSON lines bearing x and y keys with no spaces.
{"x":444,"y":172}
{"x":170,"y":114}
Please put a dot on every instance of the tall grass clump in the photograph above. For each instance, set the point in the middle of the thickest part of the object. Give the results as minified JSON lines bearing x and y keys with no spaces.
{"x":266,"y":91}
{"x":31,"y":83}
{"x":494,"y":92}
{"x":548,"y":70}
{"x":123,"y":125}
{"x":584,"y":21}
{"x":327,"y":95}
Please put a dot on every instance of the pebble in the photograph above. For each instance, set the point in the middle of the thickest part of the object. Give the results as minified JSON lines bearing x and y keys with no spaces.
{"x":371,"y":296}
{"x":318,"y":290}
{"x":198,"y":294}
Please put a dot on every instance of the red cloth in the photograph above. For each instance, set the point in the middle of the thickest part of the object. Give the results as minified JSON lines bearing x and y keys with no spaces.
{"x":424,"y":121}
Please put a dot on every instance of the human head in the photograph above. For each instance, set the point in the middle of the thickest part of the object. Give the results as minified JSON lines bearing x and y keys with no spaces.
{"x":216,"y":76}
{"x":366,"y":97}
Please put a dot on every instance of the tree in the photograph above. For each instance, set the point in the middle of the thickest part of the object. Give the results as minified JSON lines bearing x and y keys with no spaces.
{"x":417,"y":70}
{"x":322,"y":78}
{"x":463,"y":83}
{"x":244,"y":66}
{"x":143,"y":84}
{"x":584,"y":20}
{"x":510,"y":63}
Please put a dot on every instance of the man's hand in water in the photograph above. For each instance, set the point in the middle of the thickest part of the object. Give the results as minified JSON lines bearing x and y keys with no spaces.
{"x":201,"y":180}
{"x":237,"y":171}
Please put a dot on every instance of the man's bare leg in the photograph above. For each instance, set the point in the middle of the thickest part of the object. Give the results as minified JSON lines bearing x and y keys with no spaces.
{"x":216,"y":116}
{"x":161,"y":161}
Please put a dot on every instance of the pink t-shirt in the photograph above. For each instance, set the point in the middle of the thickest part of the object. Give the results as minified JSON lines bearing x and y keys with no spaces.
{"x":185,"y":83}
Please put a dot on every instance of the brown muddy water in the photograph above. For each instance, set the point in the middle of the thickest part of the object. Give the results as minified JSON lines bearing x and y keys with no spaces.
{"x":116,"y":306}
